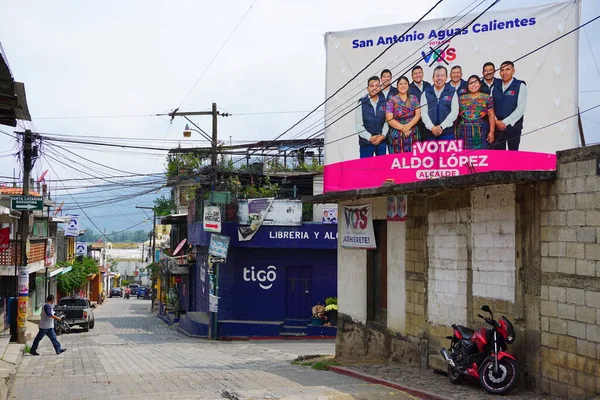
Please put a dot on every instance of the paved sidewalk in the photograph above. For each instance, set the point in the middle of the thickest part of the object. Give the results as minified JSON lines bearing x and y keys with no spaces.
{"x":425,"y":383}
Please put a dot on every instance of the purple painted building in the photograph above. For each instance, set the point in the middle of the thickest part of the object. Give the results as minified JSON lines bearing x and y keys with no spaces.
{"x":268,"y":285}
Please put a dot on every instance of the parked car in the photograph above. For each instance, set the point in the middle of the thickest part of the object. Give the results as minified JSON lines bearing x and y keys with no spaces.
{"x":134,"y":288}
{"x":115,"y":292}
{"x":78,"y":311}
{"x":141,"y":292}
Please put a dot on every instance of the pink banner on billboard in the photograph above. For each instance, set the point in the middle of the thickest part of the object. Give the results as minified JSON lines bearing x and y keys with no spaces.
{"x":430,"y":160}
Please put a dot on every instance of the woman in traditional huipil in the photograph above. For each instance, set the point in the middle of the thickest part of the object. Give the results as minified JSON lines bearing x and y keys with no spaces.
{"x":402,"y":114}
{"x":476,"y":117}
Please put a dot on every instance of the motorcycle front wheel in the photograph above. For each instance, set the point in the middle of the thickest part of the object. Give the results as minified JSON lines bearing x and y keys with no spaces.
{"x":501,"y":382}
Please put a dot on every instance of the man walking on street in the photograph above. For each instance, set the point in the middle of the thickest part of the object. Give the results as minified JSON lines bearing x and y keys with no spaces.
{"x":47,"y":328}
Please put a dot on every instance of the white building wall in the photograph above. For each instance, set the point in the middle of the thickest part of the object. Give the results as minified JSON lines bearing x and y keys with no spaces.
{"x":448,"y":256}
{"x":493,"y":242}
{"x":396,"y":281}
{"x":352,"y":267}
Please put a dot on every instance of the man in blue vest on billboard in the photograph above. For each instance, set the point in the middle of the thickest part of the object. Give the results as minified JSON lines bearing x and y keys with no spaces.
{"x":369,"y":121}
{"x":418,"y":85}
{"x":456,"y":80}
{"x":489,"y":80}
{"x":439,"y":107}
{"x":510,"y":99}
{"x":387,"y":88}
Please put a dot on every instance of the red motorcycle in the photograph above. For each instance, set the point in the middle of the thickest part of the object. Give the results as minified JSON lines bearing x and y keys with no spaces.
{"x":482,"y":354}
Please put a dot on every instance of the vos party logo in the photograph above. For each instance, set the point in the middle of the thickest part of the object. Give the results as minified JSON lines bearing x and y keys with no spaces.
{"x":444,"y":55}
{"x":358,"y":227}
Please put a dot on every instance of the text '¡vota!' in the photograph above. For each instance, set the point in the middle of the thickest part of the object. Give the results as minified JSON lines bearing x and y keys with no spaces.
{"x":443,"y":34}
{"x":301,"y":235}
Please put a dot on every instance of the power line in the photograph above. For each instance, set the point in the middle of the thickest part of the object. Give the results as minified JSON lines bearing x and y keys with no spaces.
{"x":359,"y":72}
{"x":216,"y":55}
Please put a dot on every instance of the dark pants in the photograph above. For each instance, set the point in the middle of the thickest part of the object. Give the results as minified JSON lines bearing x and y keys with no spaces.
{"x":368,"y":150}
{"x":510,"y":138}
{"x":447,"y":134}
{"x":51,"y":335}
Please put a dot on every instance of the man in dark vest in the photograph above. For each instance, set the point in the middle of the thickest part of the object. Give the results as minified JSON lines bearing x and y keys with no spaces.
{"x":387,"y":88}
{"x":456,"y":80}
{"x":510,"y":99}
{"x":489,"y":80}
{"x":418,"y":85}
{"x":416,"y":88}
{"x":439,"y":107}
{"x":369,"y":120}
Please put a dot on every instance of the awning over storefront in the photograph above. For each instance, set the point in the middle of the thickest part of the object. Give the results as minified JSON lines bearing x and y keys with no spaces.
{"x":7,"y":215}
{"x":58,"y":270}
{"x":179,"y":266}
{"x":171,"y":219}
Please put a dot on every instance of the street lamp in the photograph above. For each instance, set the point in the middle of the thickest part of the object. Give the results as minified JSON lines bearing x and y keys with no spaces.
{"x":187,"y":132}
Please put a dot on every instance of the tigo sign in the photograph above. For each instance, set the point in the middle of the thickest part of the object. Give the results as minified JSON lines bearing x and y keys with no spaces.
{"x":265,"y":278}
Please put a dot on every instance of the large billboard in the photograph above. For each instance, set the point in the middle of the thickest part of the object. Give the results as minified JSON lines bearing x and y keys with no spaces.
{"x":516,"y":119}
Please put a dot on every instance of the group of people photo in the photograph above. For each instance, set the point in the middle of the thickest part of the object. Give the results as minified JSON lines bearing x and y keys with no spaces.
{"x":486,"y":113}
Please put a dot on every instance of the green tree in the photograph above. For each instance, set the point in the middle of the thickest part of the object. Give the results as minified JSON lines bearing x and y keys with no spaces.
{"x":163,"y":205}
{"x":77,"y":276}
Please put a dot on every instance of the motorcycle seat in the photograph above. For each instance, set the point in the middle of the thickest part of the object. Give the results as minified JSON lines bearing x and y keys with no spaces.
{"x":465,"y":332}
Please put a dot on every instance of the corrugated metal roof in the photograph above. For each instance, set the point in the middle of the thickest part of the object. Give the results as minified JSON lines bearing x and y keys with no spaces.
{"x":18,"y":192}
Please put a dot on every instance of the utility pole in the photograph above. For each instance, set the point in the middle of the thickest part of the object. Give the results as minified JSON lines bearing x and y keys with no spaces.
{"x":153,"y":252}
{"x":214,"y":140}
{"x":23,"y":273}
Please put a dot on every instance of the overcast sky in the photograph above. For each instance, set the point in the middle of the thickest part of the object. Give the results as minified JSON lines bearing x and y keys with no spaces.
{"x":116,"y":58}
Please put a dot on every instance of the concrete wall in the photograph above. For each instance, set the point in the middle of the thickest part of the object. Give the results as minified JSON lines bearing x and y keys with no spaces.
{"x":531,"y":251}
{"x":447,"y":272}
{"x":570,"y":264}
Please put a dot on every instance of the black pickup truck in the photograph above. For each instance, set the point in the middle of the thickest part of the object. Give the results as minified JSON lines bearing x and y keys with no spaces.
{"x":78,"y":312}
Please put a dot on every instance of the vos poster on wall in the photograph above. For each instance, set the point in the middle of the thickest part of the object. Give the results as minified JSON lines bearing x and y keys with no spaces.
{"x":257,"y":209}
{"x":364,"y":152}
{"x":357,"y":229}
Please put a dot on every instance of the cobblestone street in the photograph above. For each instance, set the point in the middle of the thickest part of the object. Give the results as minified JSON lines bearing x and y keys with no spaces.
{"x":132,"y":354}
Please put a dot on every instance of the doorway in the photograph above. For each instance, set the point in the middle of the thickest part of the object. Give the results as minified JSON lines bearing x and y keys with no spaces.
{"x":298,"y":292}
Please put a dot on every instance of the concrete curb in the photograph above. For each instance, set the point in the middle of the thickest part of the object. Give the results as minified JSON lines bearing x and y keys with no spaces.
{"x":422,"y":394}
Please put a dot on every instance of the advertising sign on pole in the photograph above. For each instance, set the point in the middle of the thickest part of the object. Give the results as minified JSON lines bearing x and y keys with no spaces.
{"x":212,"y":219}
{"x":357,"y":229}
{"x":72,"y":228}
{"x":81,"y":248}
{"x":218,"y":245}
{"x":533,"y":119}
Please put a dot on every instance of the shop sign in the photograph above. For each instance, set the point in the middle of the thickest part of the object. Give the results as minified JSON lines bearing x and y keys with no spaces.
{"x":264,"y":277}
{"x":212,"y":219}
{"x":219,"y":245}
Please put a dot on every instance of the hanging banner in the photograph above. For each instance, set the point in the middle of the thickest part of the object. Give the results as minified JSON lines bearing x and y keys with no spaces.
{"x":396,"y":208}
{"x":544,"y":123}
{"x":49,"y":256}
{"x":357,"y":229}
{"x":72,"y":228}
{"x":257,"y":209}
{"x":212,"y":219}
{"x":283,"y":212}
{"x":4,"y":239}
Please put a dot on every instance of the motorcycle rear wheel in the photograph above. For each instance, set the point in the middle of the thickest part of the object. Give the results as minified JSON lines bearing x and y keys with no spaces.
{"x":454,"y":376}
{"x":504,"y":381}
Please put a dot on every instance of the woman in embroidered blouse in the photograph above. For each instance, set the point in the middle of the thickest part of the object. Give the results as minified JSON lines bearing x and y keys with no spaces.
{"x":476,"y":117}
{"x":402,"y":114}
